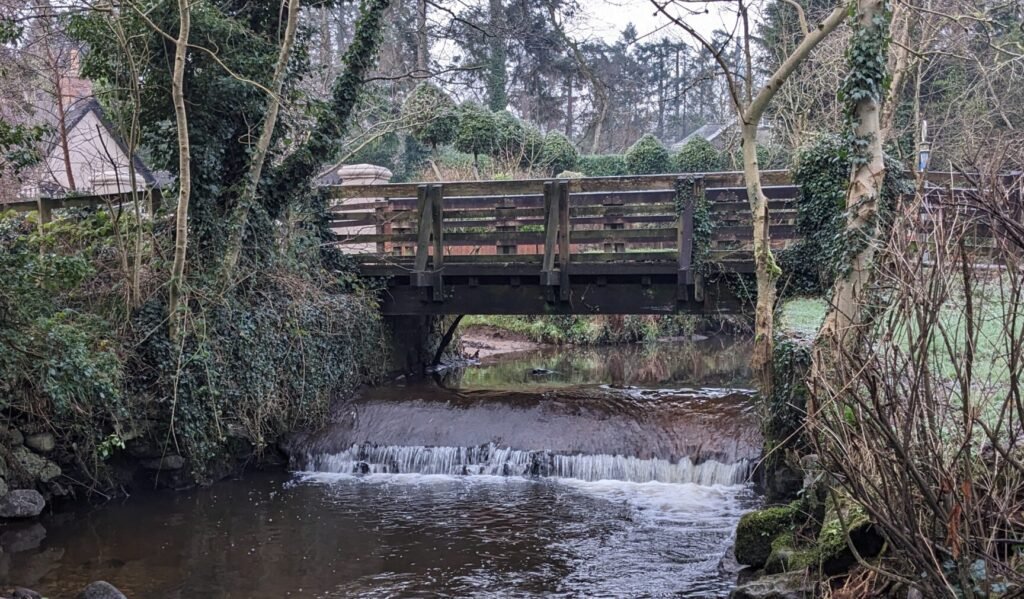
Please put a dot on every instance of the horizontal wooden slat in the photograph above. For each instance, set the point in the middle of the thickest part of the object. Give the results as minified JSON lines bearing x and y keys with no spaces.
{"x":523,"y":237}
{"x":536,"y":186}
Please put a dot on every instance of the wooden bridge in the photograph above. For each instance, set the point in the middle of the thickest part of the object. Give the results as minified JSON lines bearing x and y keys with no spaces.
{"x":607,"y":245}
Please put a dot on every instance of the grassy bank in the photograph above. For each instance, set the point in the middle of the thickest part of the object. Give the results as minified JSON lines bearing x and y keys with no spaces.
{"x":587,"y":330}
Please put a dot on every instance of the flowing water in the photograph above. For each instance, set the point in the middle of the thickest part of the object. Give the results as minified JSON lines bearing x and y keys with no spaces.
{"x":614,"y":472}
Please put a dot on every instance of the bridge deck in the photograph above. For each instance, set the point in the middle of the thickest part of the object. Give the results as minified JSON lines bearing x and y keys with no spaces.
{"x":607,"y":245}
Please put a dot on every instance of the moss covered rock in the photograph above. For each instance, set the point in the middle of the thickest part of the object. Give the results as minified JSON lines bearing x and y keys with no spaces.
{"x":758,"y":530}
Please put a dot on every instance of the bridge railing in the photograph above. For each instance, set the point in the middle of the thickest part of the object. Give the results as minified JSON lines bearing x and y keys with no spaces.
{"x":611,"y":225}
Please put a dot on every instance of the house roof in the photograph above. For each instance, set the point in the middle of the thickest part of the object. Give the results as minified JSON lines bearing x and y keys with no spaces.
{"x":78,"y":111}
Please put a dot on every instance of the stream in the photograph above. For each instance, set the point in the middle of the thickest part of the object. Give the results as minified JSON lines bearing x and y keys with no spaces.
{"x":606,"y":472}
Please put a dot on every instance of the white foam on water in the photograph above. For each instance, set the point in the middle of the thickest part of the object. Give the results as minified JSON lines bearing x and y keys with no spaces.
{"x":492,"y":460}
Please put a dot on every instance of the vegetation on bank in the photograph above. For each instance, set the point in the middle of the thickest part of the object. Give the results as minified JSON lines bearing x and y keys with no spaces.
{"x":588,"y":330}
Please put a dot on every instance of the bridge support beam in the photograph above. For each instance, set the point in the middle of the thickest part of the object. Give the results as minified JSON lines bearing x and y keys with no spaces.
{"x":413,"y":341}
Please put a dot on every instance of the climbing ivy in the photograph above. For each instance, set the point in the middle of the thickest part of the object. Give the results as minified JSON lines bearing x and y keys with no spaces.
{"x":867,"y":76}
{"x":703,"y":224}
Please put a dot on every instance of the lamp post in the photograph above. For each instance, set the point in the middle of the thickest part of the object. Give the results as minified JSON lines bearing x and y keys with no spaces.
{"x":924,"y":149}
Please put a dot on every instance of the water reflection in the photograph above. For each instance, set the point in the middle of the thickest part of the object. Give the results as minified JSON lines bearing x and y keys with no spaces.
{"x":712,"y":362}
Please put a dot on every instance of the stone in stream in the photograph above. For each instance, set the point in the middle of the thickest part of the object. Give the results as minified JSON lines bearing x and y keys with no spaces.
{"x":167,"y":462}
{"x":36,"y":466}
{"x":17,"y":538}
{"x":23,"y":593}
{"x":21,"y":503}
{"x":101,"y":590}
{"x":41,"y":442}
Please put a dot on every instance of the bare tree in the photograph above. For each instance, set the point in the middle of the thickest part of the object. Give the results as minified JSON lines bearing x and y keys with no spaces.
{"x":184,"y":165}
{"x":750,"y":108}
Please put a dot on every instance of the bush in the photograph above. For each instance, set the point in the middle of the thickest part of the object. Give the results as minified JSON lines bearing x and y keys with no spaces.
{"x":558,"y":154}
{"x":477,"y":132}
{"x":430,"y":115}
{"x":698,"y":156}
{"x":648,"y":156}
{"x":607,"y":165}
{"x":510,"y":137}
{"x":533,"y":146}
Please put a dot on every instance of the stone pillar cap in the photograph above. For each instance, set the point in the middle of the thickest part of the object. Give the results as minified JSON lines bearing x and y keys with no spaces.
{"x":363,"y":172}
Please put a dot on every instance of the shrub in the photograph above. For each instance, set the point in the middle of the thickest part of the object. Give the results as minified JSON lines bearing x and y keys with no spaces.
{"x":430,"y":115}
{"x":510,"y":137}
{"x":533,"y":146}
{"x":477,"y":131}
{"x":607,"y":165}
{"x":698,"y":156}
{"x":648,"y":156}
{"x":558,"y":154}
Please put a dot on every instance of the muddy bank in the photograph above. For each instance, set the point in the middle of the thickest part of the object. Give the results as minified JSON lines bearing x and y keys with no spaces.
{"x":482,"y":342}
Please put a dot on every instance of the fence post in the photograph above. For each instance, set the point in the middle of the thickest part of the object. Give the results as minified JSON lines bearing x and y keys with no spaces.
{"x":563,"y":240}
{"x":436,"y":195}
{"x":424,"y":214}
{"x":549,"y":277}
{"x":684,"y":242}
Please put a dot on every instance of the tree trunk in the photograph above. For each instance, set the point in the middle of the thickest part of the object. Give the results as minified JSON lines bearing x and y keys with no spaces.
{"x":764,"y":263}
{"x":843,"y":323}
{"x":240,"y":215}
{"x":422,"y":42}
{"x":184,"y":168}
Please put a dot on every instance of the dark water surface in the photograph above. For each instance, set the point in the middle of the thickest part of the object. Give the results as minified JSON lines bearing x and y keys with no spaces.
{"x":619,"y":474}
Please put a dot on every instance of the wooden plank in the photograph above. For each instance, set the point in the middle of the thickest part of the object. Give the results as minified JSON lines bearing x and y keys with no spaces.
{"x":684,"y":240}
{"x":422,"y":237}
{"x":527,"y":237}
{"x":564,"y":232}
{"x":577,"y":257}
{"x":551,"y":220}
{"x":535,"y":186}
{"x":436,"y":200}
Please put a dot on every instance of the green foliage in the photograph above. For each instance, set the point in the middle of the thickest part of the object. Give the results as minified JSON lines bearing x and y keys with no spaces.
{"x":698,"y":156}
{"x":648,"y":156}
{"x":478,"y":131}
{"x":558,"y":154}
{"x":19,"y":145}
{"x":867,"y":78}
{"x":430,"y":115}
{"x":688,"y":192}
{"x":822,"y":171}
{"x":533,"y":146}
{"x":509,"y":138}
{"x":603,"y":165}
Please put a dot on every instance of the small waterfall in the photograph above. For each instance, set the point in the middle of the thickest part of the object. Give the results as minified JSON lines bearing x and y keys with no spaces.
{"x":491,"y":459}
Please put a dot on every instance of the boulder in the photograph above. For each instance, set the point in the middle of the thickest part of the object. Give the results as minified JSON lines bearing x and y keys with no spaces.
{"x":23,"y":593}
{"x":3,"y":468}
{"x":35,"y":466}
{"x":3,"y":487}
{"x":792,"y":585}
{"x":21,"y":503}
{"x":756,"y":532}
{"x":101,"y":590}
{"x":167,"y":462}
{"x":41,"y":442}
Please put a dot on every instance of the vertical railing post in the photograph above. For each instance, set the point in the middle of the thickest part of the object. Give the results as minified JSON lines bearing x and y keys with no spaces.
{"x":424,"y":216}
{"x":436,"y":195}
{"x":551,"y":220}
{"x":564,"y":247}
{"x":684,"y":242}
{"x":45,"y":207}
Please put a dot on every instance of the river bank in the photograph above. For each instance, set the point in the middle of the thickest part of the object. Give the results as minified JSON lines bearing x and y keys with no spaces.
{"x":456,"y":489}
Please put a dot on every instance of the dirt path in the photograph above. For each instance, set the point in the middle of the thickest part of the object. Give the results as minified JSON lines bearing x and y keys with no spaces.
{"x":484,"y":342}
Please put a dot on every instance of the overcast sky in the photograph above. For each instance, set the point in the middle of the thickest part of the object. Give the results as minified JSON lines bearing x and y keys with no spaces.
{"x":607,"y":19}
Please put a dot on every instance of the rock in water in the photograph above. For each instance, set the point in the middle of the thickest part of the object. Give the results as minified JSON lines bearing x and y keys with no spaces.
{"x":23,"y":593}
{"x":791,"y":585}
{"x":101,"y":590}
{"x":38,"y":467}
{"x":41,"y":442}
{"x":21,"y":503}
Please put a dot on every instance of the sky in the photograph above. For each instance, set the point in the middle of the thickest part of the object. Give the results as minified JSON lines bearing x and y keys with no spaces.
{"x":607,"y":18}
